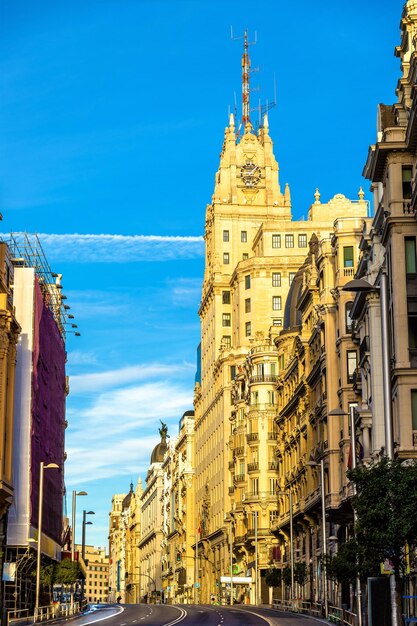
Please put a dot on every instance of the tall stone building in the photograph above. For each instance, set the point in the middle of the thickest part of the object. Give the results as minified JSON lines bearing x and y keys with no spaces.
{"x":9,"y":332}
{"x":117,"y":549}
{"x":97,"y":574}
{"x":389,"y":250}
{"x":41,"y":388}
{"x":151,"y":531}
{"x":253,"y":251}
{"x":179,"y":522}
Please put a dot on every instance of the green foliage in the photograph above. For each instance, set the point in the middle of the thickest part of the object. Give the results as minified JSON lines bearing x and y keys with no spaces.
{"x":48,"y":575}
{"x":68,"y":572}
{"x":273,"y":577}
{"x":300,"y":573}
{"x":286,"y":575}
{"x":386,"y":505}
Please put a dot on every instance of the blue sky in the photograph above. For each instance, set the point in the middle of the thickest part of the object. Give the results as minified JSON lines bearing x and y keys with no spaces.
{"x":112,"y":116}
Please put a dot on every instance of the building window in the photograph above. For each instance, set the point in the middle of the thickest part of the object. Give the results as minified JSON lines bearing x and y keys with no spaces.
{"x":348,"y":256}
{"x":226,"y":297}
{"x":254,"y":486}
{"x":276,"y":279}
{"x":291,"y":277}
{"x":412,"y":329}
{"x":414,"y":409}
{"x":245,"y":256}
{"x":276,"y":303}
{"x":248,"y":329}
{"x":289,"y":241}
{"x":232,"y":372}
{"x":273,"y":517}
{"x":352,"y":360}
{"x":276,"y":241}
{"x":406,"y":179}
{"x":227,"y":341}
{"x":225,"y":235}
{"x":302,"y":241}
{"x":247,"y":305}
{"x":243,"y":236}
{"x":247,"y":281}
{"x":348,"y":319}
{"x":226,"y":319}
{"x":277,"y":321}
{"x":226,"y":258}
{"x":410,"y":255}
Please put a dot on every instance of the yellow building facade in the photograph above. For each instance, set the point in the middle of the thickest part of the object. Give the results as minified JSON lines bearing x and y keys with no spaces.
{"x":179,"y":521}
{"x":253,"y":252}
{"x":97,"y":574}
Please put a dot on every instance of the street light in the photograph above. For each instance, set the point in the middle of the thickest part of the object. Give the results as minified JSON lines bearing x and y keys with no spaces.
{"x":289,"y":496}
{"x":74,"y":506}
{"x":85,"y":522}
{"x":40,"y":506}
{"x":323,"y":523}
{"x":362,"y":286}
{"x":85,"y":513}
{"x":352,"y":426}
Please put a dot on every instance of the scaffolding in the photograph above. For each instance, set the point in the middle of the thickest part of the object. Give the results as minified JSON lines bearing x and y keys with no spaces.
{"x":26,"y":251}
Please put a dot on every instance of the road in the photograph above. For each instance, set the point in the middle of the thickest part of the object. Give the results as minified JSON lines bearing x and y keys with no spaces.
{"x":189,"y":615}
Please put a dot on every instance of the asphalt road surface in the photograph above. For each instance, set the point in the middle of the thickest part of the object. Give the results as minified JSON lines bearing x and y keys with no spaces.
{"x":188,"y":615}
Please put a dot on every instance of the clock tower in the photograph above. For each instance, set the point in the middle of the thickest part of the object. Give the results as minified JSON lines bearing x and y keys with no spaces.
{"x":253,"y":252}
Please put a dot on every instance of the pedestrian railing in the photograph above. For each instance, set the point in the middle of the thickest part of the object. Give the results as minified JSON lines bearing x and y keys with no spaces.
{"x":336,"y":614}
{"x":20,"y":617}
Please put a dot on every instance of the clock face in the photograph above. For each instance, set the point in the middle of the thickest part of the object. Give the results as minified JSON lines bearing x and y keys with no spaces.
{"x":250,"y":174}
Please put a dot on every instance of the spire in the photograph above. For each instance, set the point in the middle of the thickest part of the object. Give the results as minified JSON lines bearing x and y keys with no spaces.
{"x":245,"y":81}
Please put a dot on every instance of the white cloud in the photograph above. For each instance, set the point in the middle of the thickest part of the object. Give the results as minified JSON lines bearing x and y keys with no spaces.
{"x":116,"y":434}
{"x":106,"y":248}
{"x":97,"y":381}
{"x":186,"y":291}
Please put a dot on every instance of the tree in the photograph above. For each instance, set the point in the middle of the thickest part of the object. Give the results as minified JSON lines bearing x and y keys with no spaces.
{"x":386,"y":505}
{"x":68,"y":572}
{"x":273,"y":577}
{"x":300,"y":572}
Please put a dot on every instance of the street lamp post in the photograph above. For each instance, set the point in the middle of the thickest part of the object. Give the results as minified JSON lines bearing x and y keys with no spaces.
{"x":324,"y":534}
{"x":289,"y":496}
{"x":85,"y":522}
{"x":74,"y":506}
{"x":352,"y":427}
{"x":40,"y":511}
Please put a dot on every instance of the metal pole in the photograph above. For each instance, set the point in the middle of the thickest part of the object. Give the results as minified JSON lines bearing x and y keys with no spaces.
{"x":291,"y":547}
{"x":231,"y":560}
{"x":83,"y":552}
{"x":74,"y":499}
{"x":38,"y":562}
{"x":324,"y":551}
{"x":386,"y":367}
{"x":196,"y":567}
{"x":256,"y":559}
{"x":353,"y":454}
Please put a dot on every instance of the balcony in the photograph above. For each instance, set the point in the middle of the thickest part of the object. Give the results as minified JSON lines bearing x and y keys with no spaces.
{"x":239,"y":451}
{"x":231,"y":464}
{"x":273,"y":436}
{"x":250,"y":437}
{"x":239,"y":478}
{"x":231,"y":491}
{"x":253,"y":467}
{"x":273,"y":465}
{"x":364,"y":348}
{"x":263,"y":378}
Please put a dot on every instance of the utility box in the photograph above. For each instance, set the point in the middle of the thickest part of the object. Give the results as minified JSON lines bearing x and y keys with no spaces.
{"x":379,"y":601}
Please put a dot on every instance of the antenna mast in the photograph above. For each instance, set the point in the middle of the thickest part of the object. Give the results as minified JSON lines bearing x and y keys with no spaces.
{"x":245,"y":81}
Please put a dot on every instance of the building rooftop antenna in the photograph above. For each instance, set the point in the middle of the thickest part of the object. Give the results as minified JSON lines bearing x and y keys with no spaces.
{"x":246,"y":72}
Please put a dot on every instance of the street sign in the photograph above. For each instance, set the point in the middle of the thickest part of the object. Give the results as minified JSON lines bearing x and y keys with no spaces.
{"x":240,"y":580}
